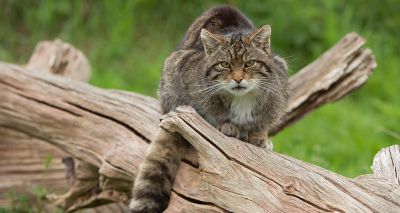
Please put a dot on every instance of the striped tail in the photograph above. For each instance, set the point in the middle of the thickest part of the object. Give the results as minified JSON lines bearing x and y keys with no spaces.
{"x":152,"y":186}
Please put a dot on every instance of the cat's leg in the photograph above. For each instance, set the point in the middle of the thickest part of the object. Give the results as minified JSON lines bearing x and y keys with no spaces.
{"x":230,"y":130}
{"x":260,"y":139}
{"x":152,"y":185}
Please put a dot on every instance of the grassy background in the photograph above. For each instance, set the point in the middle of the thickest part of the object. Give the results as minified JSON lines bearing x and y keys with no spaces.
{"x":127,"y":42}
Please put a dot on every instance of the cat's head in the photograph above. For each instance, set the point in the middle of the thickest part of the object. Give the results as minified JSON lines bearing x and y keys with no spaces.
{"x":242,"y":62}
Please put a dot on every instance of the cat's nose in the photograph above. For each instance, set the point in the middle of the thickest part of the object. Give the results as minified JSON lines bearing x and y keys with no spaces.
{"x":238,"y":80}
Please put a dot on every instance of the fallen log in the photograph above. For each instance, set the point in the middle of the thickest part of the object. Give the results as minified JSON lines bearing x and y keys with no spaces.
{"x":108,"y":131}
{"x":28,"y":162}
{"x":258,"y":180}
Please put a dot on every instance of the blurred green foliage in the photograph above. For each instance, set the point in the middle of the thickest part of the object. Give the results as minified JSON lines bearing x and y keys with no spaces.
{"x":31,"y":202}
{"x":127,"y":42}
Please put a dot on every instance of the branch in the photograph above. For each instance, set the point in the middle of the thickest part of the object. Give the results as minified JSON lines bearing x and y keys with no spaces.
{"x":110,"y":131}
{"x":59,"y":58}
{"x":340,"y":70}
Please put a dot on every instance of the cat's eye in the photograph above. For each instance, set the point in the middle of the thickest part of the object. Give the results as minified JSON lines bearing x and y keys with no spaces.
{"x":225,"y":64}
{"x":249,"y":63}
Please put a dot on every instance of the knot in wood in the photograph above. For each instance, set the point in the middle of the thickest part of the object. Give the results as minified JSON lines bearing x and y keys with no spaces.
{"x":290,"y":187}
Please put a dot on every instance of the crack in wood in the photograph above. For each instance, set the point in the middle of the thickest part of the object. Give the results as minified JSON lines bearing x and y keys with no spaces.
{"x":331,"y":209}
{"x":394,"y":167}
{"x":226,"y":155}
{"x":380,"y":195}
{"x":240,"y":195}
{"x":343,"y":189}
{"x":193,"y":200}
{"x":10,"y":85}
{"x":131,"y":129}
{"x":51,"y":105}
{"x":325,"y":75}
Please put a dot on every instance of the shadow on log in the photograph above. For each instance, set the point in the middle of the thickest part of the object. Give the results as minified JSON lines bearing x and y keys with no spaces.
{"x":109,"y":130}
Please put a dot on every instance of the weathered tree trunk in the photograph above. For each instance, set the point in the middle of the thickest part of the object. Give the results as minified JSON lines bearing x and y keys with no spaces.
{"x":233,"y":172}
{"x":27,"y":162}
{"x":108,"y":131}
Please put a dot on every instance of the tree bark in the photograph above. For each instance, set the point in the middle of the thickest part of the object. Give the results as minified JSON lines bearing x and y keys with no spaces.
{"x":109,"y":131}
{"x":28,"y":162}
{"x":259,"y":180}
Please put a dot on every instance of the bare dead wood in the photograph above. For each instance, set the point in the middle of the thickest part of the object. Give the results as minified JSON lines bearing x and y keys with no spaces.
{"x":59,"y":58}
{"x":28,"y":162}
{"x":340,"y":70}
{"x":386,"y":164}
{"x":23,"y":165}
{"x":109,"y":130}
{"x":23,"y":158}
{"x":262,"y":181}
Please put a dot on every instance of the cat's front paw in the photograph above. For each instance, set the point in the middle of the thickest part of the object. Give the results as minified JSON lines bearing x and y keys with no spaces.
{"x":260,"y":140}
{"x":230,"y":130}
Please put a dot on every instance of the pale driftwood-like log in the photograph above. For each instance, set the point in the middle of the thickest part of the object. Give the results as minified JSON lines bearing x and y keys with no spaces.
{"x":59,"y":58}
{"x":109,"y":130}
{"x":23,"y":158}
{"x":23,"y":165}
{"x":262,"y":181}
{"x":340,"y":70}
{"x":27,"y":162}
{"x":386,"y":164}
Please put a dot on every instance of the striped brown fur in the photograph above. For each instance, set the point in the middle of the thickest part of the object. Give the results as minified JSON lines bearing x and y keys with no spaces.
{"x":152,"y":185}
{"x":217,"y":20}
{"x":224,"y":68}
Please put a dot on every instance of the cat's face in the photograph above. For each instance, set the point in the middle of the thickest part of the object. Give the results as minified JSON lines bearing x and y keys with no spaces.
{"x":239,"y":63}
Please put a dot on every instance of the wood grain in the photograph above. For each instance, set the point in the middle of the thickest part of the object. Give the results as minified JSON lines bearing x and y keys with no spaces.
{"x":263,"y":181}
{"x":386,"y":164}
{"x":28,"y":162}
{"x":108,"y":131}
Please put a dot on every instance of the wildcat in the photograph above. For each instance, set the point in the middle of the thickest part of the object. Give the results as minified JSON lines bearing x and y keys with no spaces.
{"x":225,"y":70}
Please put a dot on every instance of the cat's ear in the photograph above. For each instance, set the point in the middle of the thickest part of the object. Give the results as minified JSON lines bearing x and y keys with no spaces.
{"x":261,"y":38}
{"x":210,"y":41}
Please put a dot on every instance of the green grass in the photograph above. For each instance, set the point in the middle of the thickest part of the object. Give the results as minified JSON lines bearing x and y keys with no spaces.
{"x":127,"y":42}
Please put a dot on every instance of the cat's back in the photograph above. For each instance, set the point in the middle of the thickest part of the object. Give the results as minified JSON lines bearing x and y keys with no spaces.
{"x":220,"y":20}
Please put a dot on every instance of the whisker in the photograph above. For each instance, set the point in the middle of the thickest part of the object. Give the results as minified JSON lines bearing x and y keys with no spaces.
{"x":266,"y":83}
{"x":269,"y":88}
{"x":206,"y":89}
{"x":208,"y":96}
{"x":205,"y":83}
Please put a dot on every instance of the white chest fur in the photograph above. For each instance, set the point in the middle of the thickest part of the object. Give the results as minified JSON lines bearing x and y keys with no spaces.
{"x":242,"y":108}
